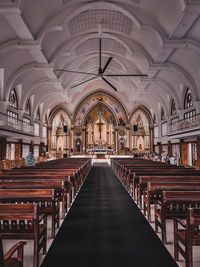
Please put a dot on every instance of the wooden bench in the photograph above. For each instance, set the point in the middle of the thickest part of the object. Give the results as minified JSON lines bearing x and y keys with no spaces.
{"x":74,"y":178}
{"x":173,"y":204}
{"x":136,"y":177}
{"x":188,"y":234}
{"x":7,"y":259}
{"x":60,"y":187}
{"x":46,"y":200}
{"x":154,"y":191}
{"x":22,"y":221}
{"x":143,"y":180}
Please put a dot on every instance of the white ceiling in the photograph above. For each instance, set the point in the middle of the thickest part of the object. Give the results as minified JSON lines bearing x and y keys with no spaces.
{"x":155,"y":37}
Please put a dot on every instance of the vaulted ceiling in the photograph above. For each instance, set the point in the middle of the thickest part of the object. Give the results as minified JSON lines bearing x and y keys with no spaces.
{"x":155,"y":37}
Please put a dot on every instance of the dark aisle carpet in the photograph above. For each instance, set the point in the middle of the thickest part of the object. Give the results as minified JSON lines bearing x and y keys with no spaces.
{"x":105,"y":228}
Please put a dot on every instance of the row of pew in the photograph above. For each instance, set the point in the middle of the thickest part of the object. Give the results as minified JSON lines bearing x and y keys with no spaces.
{"x":7,"y":164}
{"x":29,"y":194}
{"x":174,"y":193}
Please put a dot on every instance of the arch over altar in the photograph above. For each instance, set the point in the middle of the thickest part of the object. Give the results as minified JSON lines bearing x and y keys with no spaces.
{"x":98,"y":117}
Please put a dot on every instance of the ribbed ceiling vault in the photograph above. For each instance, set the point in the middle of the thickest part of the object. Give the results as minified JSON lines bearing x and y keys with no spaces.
{"x":155,"y":37}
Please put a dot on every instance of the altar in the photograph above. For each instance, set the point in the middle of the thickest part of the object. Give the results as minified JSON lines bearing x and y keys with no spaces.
{"x":100,"y":153}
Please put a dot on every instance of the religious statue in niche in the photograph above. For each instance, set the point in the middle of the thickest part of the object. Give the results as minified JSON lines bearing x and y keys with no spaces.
{"x":78,"y":145}
{"x":121,"y":144}
{"x":121,"y":122}
{"x":80,"y":121}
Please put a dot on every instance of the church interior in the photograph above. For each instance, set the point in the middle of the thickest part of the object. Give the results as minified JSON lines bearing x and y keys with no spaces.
{"x":102,"y":95}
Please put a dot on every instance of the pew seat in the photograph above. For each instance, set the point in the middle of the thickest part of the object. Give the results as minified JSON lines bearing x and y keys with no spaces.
{"x":7,"y":259}
{"x":174,"y":204}
{"x":187,"y":235}
{"x":22,"y":221}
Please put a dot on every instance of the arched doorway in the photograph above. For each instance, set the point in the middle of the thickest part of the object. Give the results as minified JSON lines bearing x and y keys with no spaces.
{"x":59,"y":133}
{"x":141,"y":131}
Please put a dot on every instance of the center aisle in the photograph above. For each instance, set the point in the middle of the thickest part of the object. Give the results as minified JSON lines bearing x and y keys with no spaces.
{"x":105,"y":228}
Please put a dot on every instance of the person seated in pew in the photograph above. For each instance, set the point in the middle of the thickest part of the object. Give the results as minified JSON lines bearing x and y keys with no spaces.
{"x":156,"y":157}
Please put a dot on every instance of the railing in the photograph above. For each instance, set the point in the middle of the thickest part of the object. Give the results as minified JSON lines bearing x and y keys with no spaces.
{"x":16,"y":125}
{"x":185,"y":124}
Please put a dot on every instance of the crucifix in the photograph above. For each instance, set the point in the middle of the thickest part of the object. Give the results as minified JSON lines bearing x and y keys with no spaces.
{"x":100,"y":124}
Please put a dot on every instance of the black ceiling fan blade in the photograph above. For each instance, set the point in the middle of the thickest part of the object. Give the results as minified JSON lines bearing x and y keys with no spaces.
{"x":128,"y":75}
{"x":107,"y":63}
{"x":80,"y":72}
{"x":85,"y":81}
{"x":109,"y":83}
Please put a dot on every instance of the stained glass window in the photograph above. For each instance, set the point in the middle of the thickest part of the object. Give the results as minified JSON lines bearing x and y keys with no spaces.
{"x":13,"y":99}
{"x":38,"y":114}
{"x":28,"y":108}
{"x":173,"y":107}
{"x":162,"y":114}
{"x":188,"y":99}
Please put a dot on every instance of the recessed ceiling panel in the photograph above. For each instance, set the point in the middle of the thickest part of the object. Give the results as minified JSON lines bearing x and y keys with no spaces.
{"x":109,"y":20}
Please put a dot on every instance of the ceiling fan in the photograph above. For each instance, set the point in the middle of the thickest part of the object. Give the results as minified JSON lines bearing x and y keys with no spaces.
{"x":101,"y":71}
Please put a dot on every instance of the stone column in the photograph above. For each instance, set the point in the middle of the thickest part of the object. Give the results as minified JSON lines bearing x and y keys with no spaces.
{"x":127,"y":138}
{"x":107,"y":137}
{"x":70,"y":141}
{"x":72,"y":138}
{"x":49,"y":138}
{"x":116,"y":141}
{"x":83,"y":140}
{"x":151,"y":139}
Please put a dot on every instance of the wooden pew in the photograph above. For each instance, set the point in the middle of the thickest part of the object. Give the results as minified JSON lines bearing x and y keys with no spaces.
{"x":176,"y":177}
{"x":22,"y":221}
{"x":173,"y":205}
{"x":154,"y":191}
{"x":60,"y":188}
{"x":188,"y":234}
{"x":46,"y":200}
{"x":7,"y":259}
{"x":136,"y":176}
{"x":69,"y":180}
{"x":75,"y":177}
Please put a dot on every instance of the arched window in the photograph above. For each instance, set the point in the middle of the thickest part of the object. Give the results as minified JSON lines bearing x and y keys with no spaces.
{"x":13,"y":99}
{"x":28,"y":108}
{"x":162,"y":114}
{"x":173,"y":107}
{"x":38,"y":114}
{"x":188,"y":99}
